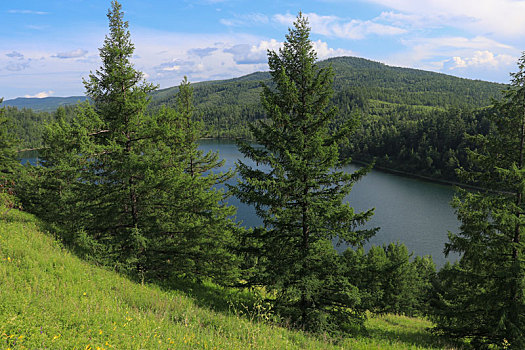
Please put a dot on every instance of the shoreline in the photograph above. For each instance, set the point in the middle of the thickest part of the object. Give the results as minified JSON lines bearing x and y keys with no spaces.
{"x":418,"y":177}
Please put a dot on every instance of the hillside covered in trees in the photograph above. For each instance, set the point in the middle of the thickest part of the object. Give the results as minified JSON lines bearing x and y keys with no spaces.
{"x":123,"y":184}
{"x":411,"y":120}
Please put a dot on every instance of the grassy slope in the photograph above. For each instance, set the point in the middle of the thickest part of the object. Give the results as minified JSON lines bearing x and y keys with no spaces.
{"x":51,"y":299}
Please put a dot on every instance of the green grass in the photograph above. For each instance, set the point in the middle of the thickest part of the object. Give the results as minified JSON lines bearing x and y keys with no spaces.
{"x":51,"y":299}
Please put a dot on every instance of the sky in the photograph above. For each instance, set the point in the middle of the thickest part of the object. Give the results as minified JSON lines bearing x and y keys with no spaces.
{"x":48,"y":47}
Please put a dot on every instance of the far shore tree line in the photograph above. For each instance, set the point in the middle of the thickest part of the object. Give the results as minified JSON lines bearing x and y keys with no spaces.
{"x":125,"y":186}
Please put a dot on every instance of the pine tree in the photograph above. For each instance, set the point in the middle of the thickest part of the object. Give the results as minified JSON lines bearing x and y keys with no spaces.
{"x":198,"y":233}
{"x":120,"y":98}
{"x":298,"y":191}
{"x":9,"y":162}
{"x":130,"y":188}
{"x":482,"y":296}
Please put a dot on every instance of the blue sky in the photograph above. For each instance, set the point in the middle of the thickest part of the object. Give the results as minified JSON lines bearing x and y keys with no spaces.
{"x":47,"y":47}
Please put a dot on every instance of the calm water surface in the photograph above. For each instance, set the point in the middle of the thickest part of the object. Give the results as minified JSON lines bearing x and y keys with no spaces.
{"x":414,"y":212}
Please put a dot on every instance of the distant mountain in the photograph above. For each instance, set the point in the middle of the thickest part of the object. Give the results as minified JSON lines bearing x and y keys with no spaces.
{"x":46,"y":104}
{"x":412,"y":120}
{"x":373,"y":80}
{"x":227,"y":106}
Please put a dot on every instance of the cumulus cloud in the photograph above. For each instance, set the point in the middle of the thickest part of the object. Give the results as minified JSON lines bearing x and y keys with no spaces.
{"x":15,"y":55}
{"x":323,"y":51}
{"x":71,"y":54}
{"x":258,"y":54}
{"x":41,"y":94}
{"x":498,"y":17}
{"x":410,"y":21}
{"x":202,"y":52}
{"x":479,"y":59}
{"x":253,"y":54}
{"x":424,"y":47}
{"x":333,"y":26}
{"x":179,"y":66}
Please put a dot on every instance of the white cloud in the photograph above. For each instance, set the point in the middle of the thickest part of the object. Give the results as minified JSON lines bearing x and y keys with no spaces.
{"x":71,"y":54}
{"x":458,"y":62}
{"x":499,"y":18}
{"x":245,"y":19}
{"x":17,"y":66}
{"x":477,"y":58}
{"x":253,"y":54}
{"x":424,"y":48}
{"x":485,"y":59}
{"x":202,"y":52}
{"x":28,"y":12}
{"x":333,"y":26}
{"x":170,"y":68}
{"x":323,"y":51}
{"x":41,"y":94}
{"x":15,"y":55}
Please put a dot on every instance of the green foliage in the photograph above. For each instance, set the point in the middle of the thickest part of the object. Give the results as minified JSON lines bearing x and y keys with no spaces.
{"x":228,"y":106}
{"x":481,"y":297}
{"x":9,"y":163}
{"x":388,"y":281}
{"x":130,"y":189}
{"x":28,"y":125}
{"x":412,"y":121}
{"x":427,"y":142}
{"x":298,"y":192}
{"x":50,"y":298}
{"x":8,"y":159}
{"x":200,"y":235}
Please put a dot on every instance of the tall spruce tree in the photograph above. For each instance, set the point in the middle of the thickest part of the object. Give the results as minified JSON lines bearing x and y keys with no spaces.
{"x":298,"y":191}
{"x":131,"y":187}
{"x":198,"y":234}
{"x":123,"y":160}
{"x":8,"y":156}
{"x":8,"y":159}
{"x":481,"y":297}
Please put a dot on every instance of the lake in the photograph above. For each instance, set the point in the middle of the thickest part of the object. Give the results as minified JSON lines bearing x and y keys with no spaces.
{"x":407,"y":210}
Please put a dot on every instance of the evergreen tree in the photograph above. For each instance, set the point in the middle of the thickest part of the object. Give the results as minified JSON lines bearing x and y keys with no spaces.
{"x":131,"y":188}
{"x":123,"y":160}
{"x":298,"y":191}
{"x":482,"y":296}
{"x":198,"y":235}
{"x":388,"y":281}
{"x":9,"y":162}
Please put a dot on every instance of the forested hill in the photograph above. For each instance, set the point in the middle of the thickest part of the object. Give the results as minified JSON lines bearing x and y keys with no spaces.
{"x":227,"y":106}
{"x":373,"y":79}
{"x":411,"y":120}
{"x":46,"y":104}
{"x":410,"y":86}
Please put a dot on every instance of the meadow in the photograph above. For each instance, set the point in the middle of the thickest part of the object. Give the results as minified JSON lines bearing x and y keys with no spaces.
{"x":50,"y":298}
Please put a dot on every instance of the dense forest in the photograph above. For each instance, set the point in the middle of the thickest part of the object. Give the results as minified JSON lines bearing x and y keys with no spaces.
{"x":411,"y":120}
{"x":122,"y":183}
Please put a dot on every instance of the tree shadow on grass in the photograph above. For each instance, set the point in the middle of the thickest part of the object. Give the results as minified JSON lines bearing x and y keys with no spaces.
{"x":212,"y":296}
{"x":413,"y":337}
